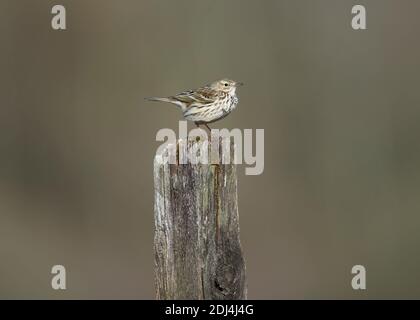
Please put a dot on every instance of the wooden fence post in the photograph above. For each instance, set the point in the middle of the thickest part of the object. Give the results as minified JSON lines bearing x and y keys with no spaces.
{"x":197,"y":249}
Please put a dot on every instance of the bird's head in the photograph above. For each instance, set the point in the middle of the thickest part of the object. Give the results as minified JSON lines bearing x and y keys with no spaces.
{"x":226,"y":85}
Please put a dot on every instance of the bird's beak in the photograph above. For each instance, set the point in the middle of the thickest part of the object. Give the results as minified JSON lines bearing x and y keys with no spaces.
{"x":239,"y":84}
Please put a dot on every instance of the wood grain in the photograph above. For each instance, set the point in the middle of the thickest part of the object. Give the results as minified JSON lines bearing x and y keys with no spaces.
{"x":197,"y":248}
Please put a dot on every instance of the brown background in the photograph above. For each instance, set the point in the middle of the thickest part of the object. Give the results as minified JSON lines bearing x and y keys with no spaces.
{"x":340,"y":109}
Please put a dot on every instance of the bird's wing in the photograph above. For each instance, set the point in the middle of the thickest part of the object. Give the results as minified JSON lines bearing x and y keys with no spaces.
{"x":201,"y":96}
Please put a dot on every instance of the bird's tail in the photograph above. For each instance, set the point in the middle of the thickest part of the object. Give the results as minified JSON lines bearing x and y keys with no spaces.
{"x":159,"y":99}
{"x":169,"y":100}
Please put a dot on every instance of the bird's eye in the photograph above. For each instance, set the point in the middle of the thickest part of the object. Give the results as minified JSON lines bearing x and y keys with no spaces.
{"x":226,"y":84}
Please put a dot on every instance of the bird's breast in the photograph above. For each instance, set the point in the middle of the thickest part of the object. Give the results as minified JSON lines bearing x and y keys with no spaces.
{"x":231,"y":103}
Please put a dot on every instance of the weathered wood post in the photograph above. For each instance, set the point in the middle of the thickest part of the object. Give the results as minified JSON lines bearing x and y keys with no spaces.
{"x":197,"y":249}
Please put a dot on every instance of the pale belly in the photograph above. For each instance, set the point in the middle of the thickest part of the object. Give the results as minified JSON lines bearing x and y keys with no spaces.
{"x":211,"y":113}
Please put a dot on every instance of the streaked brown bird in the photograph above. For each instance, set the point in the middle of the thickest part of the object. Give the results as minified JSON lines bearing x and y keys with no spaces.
{"x":206,"y":104}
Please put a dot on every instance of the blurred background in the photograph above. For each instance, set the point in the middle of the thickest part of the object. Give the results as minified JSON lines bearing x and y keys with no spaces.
{"x":341,"y":114}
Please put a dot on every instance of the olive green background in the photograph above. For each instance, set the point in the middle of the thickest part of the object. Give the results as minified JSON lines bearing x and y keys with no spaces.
{"x":340,"y":109}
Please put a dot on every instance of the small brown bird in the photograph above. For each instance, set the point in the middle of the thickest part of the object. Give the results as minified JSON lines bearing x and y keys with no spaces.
{"x":206,"y":104}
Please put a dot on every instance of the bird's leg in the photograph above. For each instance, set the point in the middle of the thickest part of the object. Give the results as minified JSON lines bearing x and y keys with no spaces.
{"x":207,"y":126}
